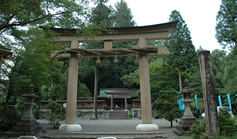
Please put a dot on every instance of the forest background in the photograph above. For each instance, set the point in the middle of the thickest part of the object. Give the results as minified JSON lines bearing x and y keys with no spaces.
{"x":21,"y":31}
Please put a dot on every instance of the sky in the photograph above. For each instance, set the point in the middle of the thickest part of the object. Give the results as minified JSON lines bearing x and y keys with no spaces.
{"x":199,"y":15}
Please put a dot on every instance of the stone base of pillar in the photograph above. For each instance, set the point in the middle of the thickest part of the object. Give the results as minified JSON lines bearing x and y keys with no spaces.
{"x":147,"y":127}
{"x":70,"y":127}
{"x":126,"y":110}
{"x":111,"y":110}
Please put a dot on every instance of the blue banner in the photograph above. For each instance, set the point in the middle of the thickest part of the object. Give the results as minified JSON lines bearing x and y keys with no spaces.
{"x":229,"y":101}
{"x":181,"y":105}
{"x":219,"y":98}
{"x":196,"y":102}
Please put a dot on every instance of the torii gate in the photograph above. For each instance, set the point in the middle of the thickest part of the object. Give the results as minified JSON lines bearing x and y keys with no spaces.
{"x":140,"y":34}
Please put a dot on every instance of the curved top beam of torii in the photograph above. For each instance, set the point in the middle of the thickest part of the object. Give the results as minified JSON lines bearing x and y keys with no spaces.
{"x":152,"y":32}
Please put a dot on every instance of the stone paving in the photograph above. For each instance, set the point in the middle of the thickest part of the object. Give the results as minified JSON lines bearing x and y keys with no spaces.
{"x":125,"y":129}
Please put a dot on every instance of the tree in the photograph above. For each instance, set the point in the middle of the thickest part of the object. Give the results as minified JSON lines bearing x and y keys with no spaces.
{"x":31,"y":61}
{"x":228,"y":125}
{"x":226,"y":27}
{"x":57,"y":113}
{"x":229,"y":76}
{"x":123,"y":16}
{"x":166,"y":105}
{"x":226,"y":34}
{"x":101,"y":14}
{"x":32,"y":65}
{"x":218,"y":61}
{"x":108,"y":17}
{"x":162,"y":77}
{"x":38,"y":12}
{"x":182,"y":54}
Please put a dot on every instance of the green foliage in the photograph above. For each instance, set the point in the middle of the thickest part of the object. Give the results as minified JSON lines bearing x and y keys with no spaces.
{"x":57,"y":113}
{"x":229,"y":78}
{"x":226,"y":27}
{"x":218,"y":57}
{"x":166,"y":105}
{"x":64,"y":13}
{"x":182,"y":54}
{"x":123,"y":16}
{"x":36,"y":111}
{"x":131,"y":80}
{"x":228,"y":126}
{"x":83,"y":91}
{"x":8,"y":119}
{"x":224,"y":66}
{"x":31,"y":61}
{"x":129,"y":115}
{"x":198,"y":129}
{"x":107,"y":17}
{"x":162,"y":77}
{"x":101,"y":14}
{"x":200,"y":106}
{"x":33,"y":65}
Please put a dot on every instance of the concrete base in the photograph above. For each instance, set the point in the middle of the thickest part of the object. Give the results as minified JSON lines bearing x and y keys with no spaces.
{"x":70,"y":127}
{"x":147,"y":127}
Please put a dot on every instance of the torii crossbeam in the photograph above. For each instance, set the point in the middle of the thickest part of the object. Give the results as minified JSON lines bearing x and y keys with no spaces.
{"x":140,"y":34}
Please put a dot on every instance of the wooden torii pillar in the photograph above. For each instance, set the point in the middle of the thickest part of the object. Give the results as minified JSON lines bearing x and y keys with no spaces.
{"x":140,"y":34}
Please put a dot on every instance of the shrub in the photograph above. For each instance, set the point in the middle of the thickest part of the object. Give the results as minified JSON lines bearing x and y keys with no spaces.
{"x":228,"y":126}
{"x":129,"y":115}
{"x":8,"y":119}
{"x":198,"y":129}
{"x":166,"y":105}
{"x":57,"y":113}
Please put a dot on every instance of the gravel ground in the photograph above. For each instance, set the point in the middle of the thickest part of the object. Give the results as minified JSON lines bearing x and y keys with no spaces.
{"x":118,"y":128}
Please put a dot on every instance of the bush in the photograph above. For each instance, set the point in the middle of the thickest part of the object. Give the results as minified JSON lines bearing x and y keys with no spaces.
{"x":57,"y":113}
{"x":36,"y":111}
{"x":166,"y":106}
{"x":228,"y":126}
{"x":198,"y":129}
{"x":129,"y":115}
{"x":8,"y":119}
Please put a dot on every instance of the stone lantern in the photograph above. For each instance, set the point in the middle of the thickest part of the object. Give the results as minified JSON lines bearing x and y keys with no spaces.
{"x":188,"y":119}
{"x":28,"y":124}
{"x":29,"y":104}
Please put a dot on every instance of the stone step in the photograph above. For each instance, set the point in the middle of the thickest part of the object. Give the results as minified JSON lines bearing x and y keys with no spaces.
{"x":117,"y":135}
{"x":114,"y":115}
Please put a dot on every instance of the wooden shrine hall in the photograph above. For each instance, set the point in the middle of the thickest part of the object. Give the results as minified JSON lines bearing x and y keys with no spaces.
{"x":4,"y":52}
{"x":142,"y":51}
{"x":117,"y":98}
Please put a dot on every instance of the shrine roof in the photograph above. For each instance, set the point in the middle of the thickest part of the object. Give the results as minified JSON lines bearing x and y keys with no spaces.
{"x":107,"y":92}
{"x":5,"y":51}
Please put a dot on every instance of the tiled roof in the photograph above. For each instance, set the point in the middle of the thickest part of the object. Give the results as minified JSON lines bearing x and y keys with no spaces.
{"x":5,"y":51}
{"x":116,"y":91}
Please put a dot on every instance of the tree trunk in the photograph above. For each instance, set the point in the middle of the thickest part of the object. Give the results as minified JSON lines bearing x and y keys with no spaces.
{"x":11,"y":83}
{"x":180,"y":81}
{"x":96,"y":91}
{"x":171,"y":123}
{"x":8,"y":97}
